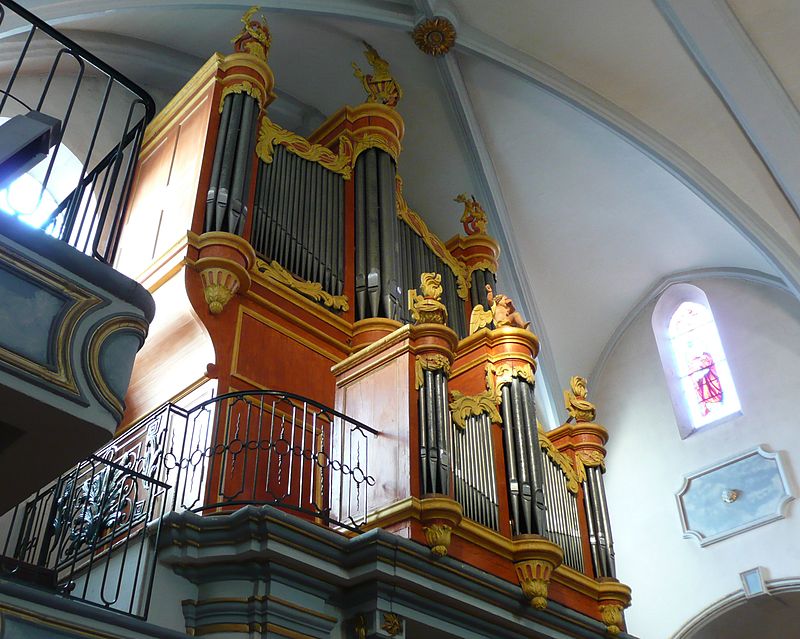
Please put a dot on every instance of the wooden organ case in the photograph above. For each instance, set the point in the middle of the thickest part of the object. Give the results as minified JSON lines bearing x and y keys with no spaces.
{"x":299,"y":274}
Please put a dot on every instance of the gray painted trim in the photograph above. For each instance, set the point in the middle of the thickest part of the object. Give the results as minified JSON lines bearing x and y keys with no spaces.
{"x":84,"y":612}
{"x":216,"y":547}
{"x":62,"y":254}
{"x":742,"y":274}
{"x":724,"y":53}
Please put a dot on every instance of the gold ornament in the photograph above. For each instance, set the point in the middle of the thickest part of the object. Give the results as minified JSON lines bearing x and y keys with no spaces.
{"x":612,"y":617}
{"x":464,"y":406}
{"x":270,"y":134}
{"x":576,"y":403}
{"x":534,"y":579}
{"x":429,"y":362}
{"x":392,"y":624}
{"x":219,"y":286}
{"x":474,"y":217}
{"x":313,"y":290}
{"x":573,"y":476}
{"x":428,"y":308}
{"x":380,"y":86}
{"x":434,"y":36}
{"x":253,"y":90}
{"x":431,"y":241}
{"x":254,"y":38}
{"x":360,"y":627}
{"x":499,"y":374}
{"x":438,"y":538}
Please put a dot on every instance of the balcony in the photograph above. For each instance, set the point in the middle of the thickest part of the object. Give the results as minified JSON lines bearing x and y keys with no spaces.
{"x":70,"y":131}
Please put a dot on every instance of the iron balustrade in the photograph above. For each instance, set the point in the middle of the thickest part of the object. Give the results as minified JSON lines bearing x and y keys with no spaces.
{"x":87,"y":528}
{"x":89,"y":216}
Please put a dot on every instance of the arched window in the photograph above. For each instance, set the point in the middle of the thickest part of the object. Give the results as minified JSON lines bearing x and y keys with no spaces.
{"x":696,"y":368}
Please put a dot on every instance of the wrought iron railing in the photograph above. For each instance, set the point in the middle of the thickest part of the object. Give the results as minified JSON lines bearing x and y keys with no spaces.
{"x":268,"y":447}
{"x":87,"y":529}
{"x":100,"y":110}
{"x":244,"y":448}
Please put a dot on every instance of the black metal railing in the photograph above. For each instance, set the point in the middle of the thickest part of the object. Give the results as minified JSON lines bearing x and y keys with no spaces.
{"x":86,"y":528}
{"x":268,"y":447}
{"x":103,"y":115}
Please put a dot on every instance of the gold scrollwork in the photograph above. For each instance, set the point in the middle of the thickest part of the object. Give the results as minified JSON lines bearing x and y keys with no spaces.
{"x":254,"y":38}
{"x":428,"y":308}
{"x":464,"y":406}
{"x":588,"y":458}
{"x":578,"y":407}
{"x":429,"y":362}
{"x":499,"y":374}
{"x":438,"y":537}
{"x":270,"y":134}
{"x":431,"y":241}
{"x":377,"y":141}
{"x":247,"y":87}
{"x":309,"y":289}
{"x":380,"y":86}
{"x":573,"y":476}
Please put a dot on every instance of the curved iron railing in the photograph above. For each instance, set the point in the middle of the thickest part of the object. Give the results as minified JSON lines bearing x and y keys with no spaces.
{"x":89,"y":215}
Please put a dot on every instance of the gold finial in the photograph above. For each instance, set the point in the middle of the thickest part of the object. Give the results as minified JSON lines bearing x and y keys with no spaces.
{"x":434,"y":36}
{"x":579,"y":408}
{"x":502,"y":313}
{"x":254,"y":38}
{"x":428,"y":308}
{"x":380,"y":86}
{"x":474,"y":217}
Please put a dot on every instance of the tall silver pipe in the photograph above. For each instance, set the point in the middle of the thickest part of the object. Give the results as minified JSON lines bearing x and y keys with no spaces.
{"x":243,"y":159}
{"x":373,"y":234}
{"x":213,"y":189}
{"x":607,"y":522}
{"x":361,"y":239}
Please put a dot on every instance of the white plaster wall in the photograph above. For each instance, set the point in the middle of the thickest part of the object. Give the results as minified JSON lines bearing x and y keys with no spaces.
{"x":673,"y":578}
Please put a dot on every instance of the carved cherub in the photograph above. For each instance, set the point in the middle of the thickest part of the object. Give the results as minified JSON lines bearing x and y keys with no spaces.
{"x":380,"y":86}
{"x":474,"y":217}
{"x":505,"y":314}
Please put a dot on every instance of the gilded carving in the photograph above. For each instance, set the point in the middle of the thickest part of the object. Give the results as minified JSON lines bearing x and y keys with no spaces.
{"x":219,"y":286}
{"x":270,"y":134}
{"x":379,"y":85}
{"x":579,"y":408}
{"x":502,"y":313}
{"x":392,"y":624}
{"x":573,"y":475}
{"x":438,"y":538}
{"x":464,"y":406}
{"x":499,"y":374}
{"x":429,"y":362}
{"x":428,"y":308}
{"x":360,"y":627}
{"x":375,"y":140}
{"x":431,"y":241}
{"x":251,"y":89}
{"x":474,"y":217}
{"x":534,"y":579}
{"x":312,"y":290}
{"x":611,"y":615}
{"x":587,"y":457}
{"x":434,"y":36}
{"x":254,"y":38}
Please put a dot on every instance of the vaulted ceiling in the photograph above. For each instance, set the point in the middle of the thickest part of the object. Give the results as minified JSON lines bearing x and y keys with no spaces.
{"x":612,"y":150}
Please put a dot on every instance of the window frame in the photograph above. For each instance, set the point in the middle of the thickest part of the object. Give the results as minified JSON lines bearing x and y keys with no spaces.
{"x":668,"y":303}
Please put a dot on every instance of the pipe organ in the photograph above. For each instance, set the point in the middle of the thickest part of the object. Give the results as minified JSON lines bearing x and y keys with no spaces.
{"x":302,"y":266}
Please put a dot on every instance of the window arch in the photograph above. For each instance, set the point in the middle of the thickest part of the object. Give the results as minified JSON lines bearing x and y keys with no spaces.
{"x":698,"y":376}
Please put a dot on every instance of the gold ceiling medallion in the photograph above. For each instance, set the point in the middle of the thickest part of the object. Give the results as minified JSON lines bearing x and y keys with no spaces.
{"x":392,"y":624}
{"x":434,"y":36}
{"x":313,"y":290}
{"x":474,"y":217}
{"x":254,"y":38}
{"x":464,"y":406}
{"x":431,"y":241}
{"x":579,"y":408}
{"x":379,"y":85}
{"x":270,"y":134}
{"x":428,"y":308}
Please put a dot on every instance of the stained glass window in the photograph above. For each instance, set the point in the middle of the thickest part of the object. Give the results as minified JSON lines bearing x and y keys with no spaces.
{"x":705,"y":377}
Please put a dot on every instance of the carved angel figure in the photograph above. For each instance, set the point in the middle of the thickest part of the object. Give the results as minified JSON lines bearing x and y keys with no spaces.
{"x":380,"y":86}
{"x":474,"y":217}
{"x":502,"y":313}
{"x":579,"y":408}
